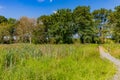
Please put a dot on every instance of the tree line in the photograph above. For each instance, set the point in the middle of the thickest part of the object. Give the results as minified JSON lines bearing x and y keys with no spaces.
{"x":64,"y":26}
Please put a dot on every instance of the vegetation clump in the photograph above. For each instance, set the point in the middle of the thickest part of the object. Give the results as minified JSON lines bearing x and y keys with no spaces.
{"x":53,"y":62}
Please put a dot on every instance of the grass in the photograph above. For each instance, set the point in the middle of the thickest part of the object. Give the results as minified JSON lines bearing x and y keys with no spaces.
{"x":53,"y":62}
{"x":113,"y":49}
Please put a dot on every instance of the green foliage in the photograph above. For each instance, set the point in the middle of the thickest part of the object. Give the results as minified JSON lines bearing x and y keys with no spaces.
{"x":7,"y":29}
{"x":61,"y":26}
{"x":53,"y":62}
{"x":115,"y":23}
{"x":84,"y":23}
{"x":101,"y":21}
{"x":39,"y":35}
{"x":3,"y":19}
{"x":101,"y":14}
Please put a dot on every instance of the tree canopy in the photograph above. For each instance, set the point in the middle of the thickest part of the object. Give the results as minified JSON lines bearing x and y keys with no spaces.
{"x":63,"y":26}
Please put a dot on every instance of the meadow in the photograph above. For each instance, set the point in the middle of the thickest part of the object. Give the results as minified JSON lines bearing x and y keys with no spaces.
{"x":113,"y":49}
{"x":53,"y":62}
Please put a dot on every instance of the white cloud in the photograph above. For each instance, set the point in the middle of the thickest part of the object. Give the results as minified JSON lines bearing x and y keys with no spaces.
{"x":41,"y":0}
{"x":51,"y":0}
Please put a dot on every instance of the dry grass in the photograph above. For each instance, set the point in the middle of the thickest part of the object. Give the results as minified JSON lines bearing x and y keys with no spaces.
{"x":113,"y":49}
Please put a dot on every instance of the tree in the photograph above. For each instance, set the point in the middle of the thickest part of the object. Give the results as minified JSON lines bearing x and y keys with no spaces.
{"x":39,"y":34}
{"x":12,"y":28}
{"x":114,"y":20}
{"x":4,"y":33}
{"x":25,"y":28}
{"x":84,"y":23}
{"x":7,"y":27}
{"x":61,"y":26}
{"x":43,"y":23}
{"x":101,"y":20}
{"x":3,"y":19}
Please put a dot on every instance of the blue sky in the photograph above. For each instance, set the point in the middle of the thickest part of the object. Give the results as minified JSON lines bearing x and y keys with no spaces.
{"x":36,"y":8}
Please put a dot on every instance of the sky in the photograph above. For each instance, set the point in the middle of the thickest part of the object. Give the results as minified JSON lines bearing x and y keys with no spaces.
{"x":36,"y":8}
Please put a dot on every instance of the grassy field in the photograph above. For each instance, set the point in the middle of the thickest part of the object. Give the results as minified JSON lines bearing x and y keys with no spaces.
{"x":113,"y":49}
{"x":53,"y":62}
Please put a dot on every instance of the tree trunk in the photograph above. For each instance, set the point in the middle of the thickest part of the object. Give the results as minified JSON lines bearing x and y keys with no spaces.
{"x":30,"y":39}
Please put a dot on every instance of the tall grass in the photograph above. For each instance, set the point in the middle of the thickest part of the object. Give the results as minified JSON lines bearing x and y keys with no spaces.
{"x":113,"y":49}
{"x":53,"y":62}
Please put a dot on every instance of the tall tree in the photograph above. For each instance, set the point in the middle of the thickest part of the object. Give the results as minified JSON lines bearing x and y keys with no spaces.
{"x":12,"y":28}
{"x":101,"y":20}
{"x":4,"y":29}
{"x":61,"y":27}
{"x":25,"y":28}
{"x":39,"y":34}
{"x":114,"y":20}
{"x":84,"y":23}
{"x":43,"y":23}
{"x":3,"y":19}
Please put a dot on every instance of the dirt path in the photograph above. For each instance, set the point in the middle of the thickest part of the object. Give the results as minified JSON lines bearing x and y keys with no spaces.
{"x":103,"y":54}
